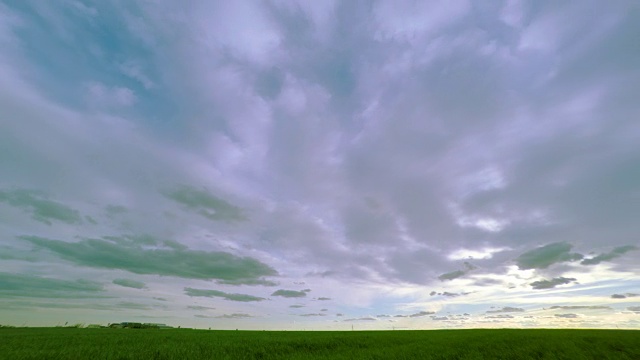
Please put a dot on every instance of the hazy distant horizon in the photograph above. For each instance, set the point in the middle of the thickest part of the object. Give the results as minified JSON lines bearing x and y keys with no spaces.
{"x":316,"y":165}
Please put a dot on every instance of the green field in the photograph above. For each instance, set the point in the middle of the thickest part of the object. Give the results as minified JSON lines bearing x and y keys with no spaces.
{"x":70,"y":343}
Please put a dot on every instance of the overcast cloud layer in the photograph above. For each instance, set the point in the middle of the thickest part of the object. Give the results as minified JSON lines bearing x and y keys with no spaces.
{"x":285,"y":165}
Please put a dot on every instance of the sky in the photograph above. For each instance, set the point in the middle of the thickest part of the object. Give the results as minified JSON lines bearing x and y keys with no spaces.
{"x":320,"y":165}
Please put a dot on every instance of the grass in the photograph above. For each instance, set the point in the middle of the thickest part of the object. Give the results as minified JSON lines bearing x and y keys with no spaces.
{"x":72,"y":343}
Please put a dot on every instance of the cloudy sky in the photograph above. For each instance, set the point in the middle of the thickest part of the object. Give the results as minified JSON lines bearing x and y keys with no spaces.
{"x":320,"y":164}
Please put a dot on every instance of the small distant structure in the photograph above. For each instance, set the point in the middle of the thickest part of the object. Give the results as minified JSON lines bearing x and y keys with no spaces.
{"x":137,"y":325}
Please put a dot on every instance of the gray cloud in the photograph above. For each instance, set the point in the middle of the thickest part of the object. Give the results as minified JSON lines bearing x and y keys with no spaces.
{"x":40,"y":207}
{"x":422,"y":313}
{"x":324,"y":298}
{"x":634,"y":309}
{"x":429,"y":128}
{"x":221,"y":294}
{"x":623,"y":296}
{"x":545,"y":256}
{"x":130,"y":283}
{"x":503,"y":316}
{"x":439,"y":318}
{"x":574,"y":307}
{"x":20,"y":285}
{"x":361,"y":319}
{"x":567,"y":316}
{"x":458,"y":273}
{"x":548,"y":284}
{"x":506,"y":309}
{"x":262,"y":282}
{"x":296,"y":306}
{"x":234,"y":316}
{"x":312,"y":315}
{"x":114,"y":210}
{"x":126,"y":254}
{"x":200,"y":308}
{"x":451,"y":275}
{"x":617,"y":252}
{"x":204,"y":203}
{"x":289,"y":293}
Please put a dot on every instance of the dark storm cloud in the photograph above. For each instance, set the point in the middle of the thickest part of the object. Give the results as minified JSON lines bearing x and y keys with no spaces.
{"x":221,"y":294}
{"x":40,"y":207}
{"x":545,"y":256}
{"x":204,"y":203}
{"x":548,"y":284}
{"x":617,"y":252}
{"x":126,"y":254}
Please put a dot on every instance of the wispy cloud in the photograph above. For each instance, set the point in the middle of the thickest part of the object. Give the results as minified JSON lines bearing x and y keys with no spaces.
{"x":289,"y":293}
{"x":221,"y":294}
{"x":130,"y":283}
{"x":40,"y":207}
{"x":126,"y":254}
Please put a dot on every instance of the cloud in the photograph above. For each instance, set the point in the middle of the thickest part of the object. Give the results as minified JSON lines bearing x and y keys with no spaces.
{"x":545,"y":256}
{"x":588,"y":307}
{"x":548,"y":284}
{"x":130,"y":283}
{"x":623,"y":296}
{"x":381,"y":141}
{"x":128,"y":254}
{"x":421,"y":314}
{"x":439,"y":318}
{"x":234,"y":316}
{"x":634,"y":309}
{"x":504,"y":316}
{"x":506,"y":309}
{"x":567,"y":316}
{"x":40,"y":207}
{"x":262,"y":282}
{"x":616,"y":252}
{"x":361,"y":319}
{"x":296,"y":306}
{"x":201,"y":308}
{"x":289,"y":293}
{"x":221,"y":294}
{"x":312,"y":315}
{"x":21,"y":285}
{"x":324,"y":298}
{"x":204,"y":203}
{"x":458,"y":273}
{"x":452,"y":275}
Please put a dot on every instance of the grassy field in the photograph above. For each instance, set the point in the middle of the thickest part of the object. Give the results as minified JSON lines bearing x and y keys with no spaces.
{"x":69,"y":343}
